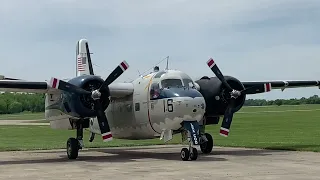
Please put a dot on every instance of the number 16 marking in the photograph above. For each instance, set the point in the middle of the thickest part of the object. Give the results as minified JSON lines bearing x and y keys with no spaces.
{"x":169,"y":105}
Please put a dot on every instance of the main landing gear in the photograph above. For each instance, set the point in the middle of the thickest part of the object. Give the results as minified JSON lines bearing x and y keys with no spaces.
{"x":206,"y":143}
{"x":75,"y":144}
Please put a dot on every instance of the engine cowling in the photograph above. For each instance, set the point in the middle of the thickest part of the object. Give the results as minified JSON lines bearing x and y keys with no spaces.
{"x":81,"y":105}
{"x":216,"y":96}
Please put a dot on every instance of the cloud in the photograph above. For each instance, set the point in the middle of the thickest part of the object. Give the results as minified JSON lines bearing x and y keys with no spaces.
{"x":251,"y":40}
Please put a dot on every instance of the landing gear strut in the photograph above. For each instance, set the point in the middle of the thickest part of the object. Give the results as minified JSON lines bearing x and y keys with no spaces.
{"x":74,"y":144}
{"x":190,"y":152}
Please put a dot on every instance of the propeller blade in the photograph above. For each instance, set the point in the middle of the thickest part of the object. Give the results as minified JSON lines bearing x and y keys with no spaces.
{"x":103,"y":122}
{"x":115,"y":74}
{"x":227,"y":119}
{"x":65,"y":86}
{"x":213,"y":66}
{"x":266,"y":87}
{"x":89,"y":59}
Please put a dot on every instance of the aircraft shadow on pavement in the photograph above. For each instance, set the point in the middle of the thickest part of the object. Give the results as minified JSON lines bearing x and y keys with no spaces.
{"x":133,"y":154}
{"x":116,"y":156}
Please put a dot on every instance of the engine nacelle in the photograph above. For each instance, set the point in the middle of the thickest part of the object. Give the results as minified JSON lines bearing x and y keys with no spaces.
{"x":80,"y":105}
{"x":216,"y":97}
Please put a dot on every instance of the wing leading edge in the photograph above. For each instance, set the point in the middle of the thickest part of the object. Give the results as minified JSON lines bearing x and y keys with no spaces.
{"x":280,"y":84}
{"x":24,"y":86}
{"x":116,"y":89}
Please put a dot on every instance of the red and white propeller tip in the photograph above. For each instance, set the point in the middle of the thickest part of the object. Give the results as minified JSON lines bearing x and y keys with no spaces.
{"x":224,"y":132}
{"x":211,"y":63}
{"x":54,"y":83}
{"x":107,"y":136}
{"x":267,"y":87}
{"x":124,"y":65}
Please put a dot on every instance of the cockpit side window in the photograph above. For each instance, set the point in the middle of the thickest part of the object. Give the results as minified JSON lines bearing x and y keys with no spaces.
{"x":154,"y":91}
{"x":167,"y":83}
{"x":188,"y":83}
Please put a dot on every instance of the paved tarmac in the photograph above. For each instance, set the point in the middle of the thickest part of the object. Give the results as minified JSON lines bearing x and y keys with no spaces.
{"x":160,"y":162}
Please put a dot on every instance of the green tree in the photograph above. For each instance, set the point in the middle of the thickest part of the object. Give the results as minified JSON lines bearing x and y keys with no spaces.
{"x":15,"y":107}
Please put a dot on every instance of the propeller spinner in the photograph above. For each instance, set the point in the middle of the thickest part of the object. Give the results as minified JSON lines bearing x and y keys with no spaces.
{"x":234,"y":94}
{"x":97,"y":95}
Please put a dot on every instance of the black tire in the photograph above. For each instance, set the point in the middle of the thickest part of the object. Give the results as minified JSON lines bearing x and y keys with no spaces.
{"x":206,"y":147}
{"x":72,"y":148}
{"x":194,"y":154}
{"x":184,"y":154}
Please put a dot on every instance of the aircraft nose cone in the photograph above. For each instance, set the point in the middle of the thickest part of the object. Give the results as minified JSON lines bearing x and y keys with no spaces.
{"x":190,"y":109}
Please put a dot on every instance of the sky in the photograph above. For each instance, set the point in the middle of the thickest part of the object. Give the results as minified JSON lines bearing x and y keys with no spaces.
{"x":249,"y":39}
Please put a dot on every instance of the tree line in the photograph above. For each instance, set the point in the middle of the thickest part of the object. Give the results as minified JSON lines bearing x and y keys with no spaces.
{"x":294,"y":101}
{"x":19,"y":102}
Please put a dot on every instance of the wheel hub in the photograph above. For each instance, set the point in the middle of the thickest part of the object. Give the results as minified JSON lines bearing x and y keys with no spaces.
{"x":183,"y":154}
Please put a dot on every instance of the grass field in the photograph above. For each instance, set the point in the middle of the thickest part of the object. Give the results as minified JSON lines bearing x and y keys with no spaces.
{"x":22,"y":116}
{"x":272,"y":127}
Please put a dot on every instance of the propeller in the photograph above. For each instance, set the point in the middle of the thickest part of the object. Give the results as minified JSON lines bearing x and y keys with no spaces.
{"x":89,"y":59}
{"x":98,"y":95}
{"x":234,"y":94}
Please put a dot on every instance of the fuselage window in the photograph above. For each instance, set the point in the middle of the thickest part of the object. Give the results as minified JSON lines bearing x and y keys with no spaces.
{"x":154,"y":91}
{"x":137,"y":106}
{"x":171,"y":83}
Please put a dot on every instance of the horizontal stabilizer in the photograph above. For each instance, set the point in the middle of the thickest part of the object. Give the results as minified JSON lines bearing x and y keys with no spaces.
{"x":2,"y":77}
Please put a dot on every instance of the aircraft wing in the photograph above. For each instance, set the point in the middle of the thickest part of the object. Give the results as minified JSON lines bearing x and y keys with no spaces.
{"x":116,"y":89}
{"x":279,"y":84}
{"x":24,"y":86}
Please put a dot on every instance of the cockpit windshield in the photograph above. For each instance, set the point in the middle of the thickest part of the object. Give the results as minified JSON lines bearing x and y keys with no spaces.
{"x":171,"y":83}
{"x":167,"y":84}
{"x":188,"y":83}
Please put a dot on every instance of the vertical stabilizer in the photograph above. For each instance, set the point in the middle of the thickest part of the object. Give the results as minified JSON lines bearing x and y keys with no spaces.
{"x":84,"y":64}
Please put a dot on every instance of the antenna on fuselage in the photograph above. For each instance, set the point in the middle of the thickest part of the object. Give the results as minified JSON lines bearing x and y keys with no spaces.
{"x":156,"y":69}
{"x":167,"y":67}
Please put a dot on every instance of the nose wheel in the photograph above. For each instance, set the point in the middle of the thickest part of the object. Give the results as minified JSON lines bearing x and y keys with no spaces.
{"x":190,"y":133}
{"x":191,"y":152}
{"x":187,"y":154}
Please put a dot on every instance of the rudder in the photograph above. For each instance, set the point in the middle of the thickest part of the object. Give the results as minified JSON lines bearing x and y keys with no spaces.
{"x":83,"y":58}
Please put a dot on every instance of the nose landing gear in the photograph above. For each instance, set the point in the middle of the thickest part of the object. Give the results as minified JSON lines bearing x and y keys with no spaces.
{"x":192,"y":131}
{"x":191,"y":153}
{"x":186,"y":154}
{"x":205,"y":141}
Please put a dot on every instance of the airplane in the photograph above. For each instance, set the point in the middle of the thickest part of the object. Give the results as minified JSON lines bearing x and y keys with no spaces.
{"x":160,"y":104}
